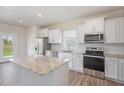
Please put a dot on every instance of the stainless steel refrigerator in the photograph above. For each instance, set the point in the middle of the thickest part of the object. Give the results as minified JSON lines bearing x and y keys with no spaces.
{"x":41,"y":45}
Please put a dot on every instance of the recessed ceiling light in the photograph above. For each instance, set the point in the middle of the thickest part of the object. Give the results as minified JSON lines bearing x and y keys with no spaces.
{"x":40,"y":15}
{"x":5,"y":6}
{"x":20,"y":21}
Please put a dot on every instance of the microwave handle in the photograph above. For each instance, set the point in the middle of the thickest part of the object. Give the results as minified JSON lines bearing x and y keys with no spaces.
{"x":99,"y":37}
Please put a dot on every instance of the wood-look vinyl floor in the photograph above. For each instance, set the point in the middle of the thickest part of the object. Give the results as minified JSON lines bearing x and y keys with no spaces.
{"x":9,"y":74}
{"x":79,"y":79}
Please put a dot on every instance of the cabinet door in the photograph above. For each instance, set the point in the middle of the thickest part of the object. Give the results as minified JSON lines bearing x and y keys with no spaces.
{"x":89,"y":26}
{"x":41,"y":33}
{"x":64,"y":55}
{"x":80,"y":33}
{"x":60,"y":55}
{"x":45,"y":32}
{"x":99,"y":25}
{"x":121,"y":69}
{"x":69,"y":56}
{"x":110,"y":31}
{"x":78,"y":62}
{"x":57,"y":36}
{"x":51,"y":36}
{"x":120,"y":30}
{"x":111,"y":68}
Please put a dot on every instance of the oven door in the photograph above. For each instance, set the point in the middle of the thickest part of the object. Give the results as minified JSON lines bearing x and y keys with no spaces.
{"x":94,"y":63}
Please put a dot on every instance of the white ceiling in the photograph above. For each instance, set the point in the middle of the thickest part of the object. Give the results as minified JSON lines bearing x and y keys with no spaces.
{"x":51,"y":15}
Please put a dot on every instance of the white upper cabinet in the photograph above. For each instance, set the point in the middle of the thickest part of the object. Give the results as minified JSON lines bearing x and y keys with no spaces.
{"x":51,"y":36}
{"x":110,"y":31}
{"x":114,"y":30}
{"x":55,"y":36}
{"x":44,"y":32}
{"x":80,"y":33}
{"x":120,"y":30}
{"x":95,"y":25}
{"x":89,"y":26}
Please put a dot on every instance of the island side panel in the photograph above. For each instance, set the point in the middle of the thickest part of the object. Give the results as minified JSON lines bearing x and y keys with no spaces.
{"x":61,"y":76}
{"x":55,"y":78}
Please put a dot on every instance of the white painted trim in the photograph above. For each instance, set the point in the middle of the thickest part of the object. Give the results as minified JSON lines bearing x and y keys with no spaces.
{"x":78,"y":70}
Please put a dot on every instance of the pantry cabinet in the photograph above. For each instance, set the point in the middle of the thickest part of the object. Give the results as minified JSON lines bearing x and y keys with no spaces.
{"x":95,"y":25}
{"x":78,"y":62}
{"x":111,"y":68}
{"x":55,"y":36}
{"x":114,"y":30}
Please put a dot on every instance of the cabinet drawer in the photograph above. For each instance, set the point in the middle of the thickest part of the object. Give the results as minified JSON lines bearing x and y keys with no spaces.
{"x":111,"y":59}
{"x":121,"y":61}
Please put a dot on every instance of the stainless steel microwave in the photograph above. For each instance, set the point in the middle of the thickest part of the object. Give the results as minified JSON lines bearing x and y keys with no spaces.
{"x":94,"y":38}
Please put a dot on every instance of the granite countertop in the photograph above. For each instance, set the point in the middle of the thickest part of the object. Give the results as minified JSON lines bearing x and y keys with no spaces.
{"x":114,"y":55}
{"x":66,"y":51}
{"x":40,"y":64}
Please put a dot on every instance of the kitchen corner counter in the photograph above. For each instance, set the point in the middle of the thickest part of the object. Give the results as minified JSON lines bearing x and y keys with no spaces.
{"x":40,"y":64}
{"x":115,"y":56}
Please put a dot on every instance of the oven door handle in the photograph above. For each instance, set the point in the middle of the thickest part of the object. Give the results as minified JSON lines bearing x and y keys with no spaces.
{"x":94,"y":56}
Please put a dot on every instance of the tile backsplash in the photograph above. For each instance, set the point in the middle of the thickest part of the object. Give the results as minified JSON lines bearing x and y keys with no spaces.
{"x":109,"y":48}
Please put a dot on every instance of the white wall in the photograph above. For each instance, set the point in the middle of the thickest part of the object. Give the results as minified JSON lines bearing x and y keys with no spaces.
{"x":21,"y":37}
{"x":109,"y":48}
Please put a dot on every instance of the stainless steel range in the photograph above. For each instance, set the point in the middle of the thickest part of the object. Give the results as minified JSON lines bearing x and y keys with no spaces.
{"x":94,"y":61}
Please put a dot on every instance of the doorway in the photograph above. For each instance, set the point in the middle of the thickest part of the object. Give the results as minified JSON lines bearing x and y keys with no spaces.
{"x":9,"y":43}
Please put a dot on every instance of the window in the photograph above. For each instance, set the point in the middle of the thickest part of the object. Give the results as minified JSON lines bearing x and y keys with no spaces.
{"x":7,"y":46}
{"x":70,"y":40}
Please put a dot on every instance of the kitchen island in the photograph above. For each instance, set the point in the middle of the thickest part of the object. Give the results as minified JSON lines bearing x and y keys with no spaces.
{"x":42,"y":71}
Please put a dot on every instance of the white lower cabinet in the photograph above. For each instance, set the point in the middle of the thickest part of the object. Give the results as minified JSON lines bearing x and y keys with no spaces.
{"x":114,"y":68}
{"x":66,"y":55}
{"x":111,"y":68}
{"x":78,"y":62}
{"x":121,"y":69}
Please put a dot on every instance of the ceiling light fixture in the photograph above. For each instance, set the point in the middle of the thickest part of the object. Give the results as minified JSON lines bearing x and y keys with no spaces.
{"x":40,"y":15}
{"x":20,"y":21}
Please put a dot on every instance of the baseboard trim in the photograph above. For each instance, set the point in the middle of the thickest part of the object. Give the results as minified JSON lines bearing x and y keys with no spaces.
{"x":114,"y":80}
{"x":4,"y":62}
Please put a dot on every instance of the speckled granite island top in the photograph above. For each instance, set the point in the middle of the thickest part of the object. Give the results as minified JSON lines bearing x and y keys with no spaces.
{"x":40,"y":64}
